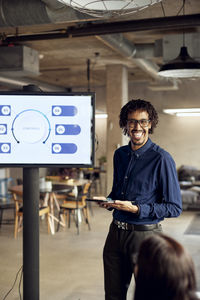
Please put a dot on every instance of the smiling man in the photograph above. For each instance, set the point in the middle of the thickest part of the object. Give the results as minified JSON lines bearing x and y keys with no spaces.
{"x":145,"y":191}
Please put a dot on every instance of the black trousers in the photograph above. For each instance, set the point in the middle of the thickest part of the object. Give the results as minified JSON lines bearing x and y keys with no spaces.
{"x":119,"y":256}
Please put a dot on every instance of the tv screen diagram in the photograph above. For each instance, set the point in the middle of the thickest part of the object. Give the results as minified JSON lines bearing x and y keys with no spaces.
{"x":47,"y":129}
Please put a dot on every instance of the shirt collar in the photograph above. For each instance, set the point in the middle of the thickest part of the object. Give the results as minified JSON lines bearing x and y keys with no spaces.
{"x":141,"y":150}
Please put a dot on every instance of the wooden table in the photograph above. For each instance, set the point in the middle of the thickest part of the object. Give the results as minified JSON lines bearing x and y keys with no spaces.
{"x":74,"y":184}
{"x":70,"y":185}
{"x":49,"y":200}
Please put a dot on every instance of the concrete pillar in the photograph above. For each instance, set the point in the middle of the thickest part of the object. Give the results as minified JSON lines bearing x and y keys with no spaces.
{"x":116,"y":97}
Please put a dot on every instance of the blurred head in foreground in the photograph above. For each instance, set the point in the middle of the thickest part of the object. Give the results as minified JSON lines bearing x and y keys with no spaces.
{"x":164,"y":271}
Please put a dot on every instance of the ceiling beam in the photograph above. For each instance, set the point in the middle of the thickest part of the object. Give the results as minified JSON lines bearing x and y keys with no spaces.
{"x":168,"y":23}
{"x":92,"y":29}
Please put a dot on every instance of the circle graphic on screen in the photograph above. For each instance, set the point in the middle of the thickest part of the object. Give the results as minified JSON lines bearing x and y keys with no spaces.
{"x":31,"y":126}
{"x":60,"y":129}
{"x":57,"y":110}
{"x":5,"y":148}
{"x":5,"y":110}
{"x":2,"y":129}
{"x":57,"y":148}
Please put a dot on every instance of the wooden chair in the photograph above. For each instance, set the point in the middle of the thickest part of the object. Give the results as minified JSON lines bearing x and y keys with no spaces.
{"x":6,"y":204}
{"x":19,"y":214}
{"x":4,"y":185}
{"x":6,"y":200}
{"x":75,"y":205}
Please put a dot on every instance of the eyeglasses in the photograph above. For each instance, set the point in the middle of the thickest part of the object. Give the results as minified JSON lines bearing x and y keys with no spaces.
{"x":142,"y":122}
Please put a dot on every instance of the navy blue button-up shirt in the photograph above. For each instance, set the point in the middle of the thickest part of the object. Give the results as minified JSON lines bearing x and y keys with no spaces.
{"x":148,"y":177}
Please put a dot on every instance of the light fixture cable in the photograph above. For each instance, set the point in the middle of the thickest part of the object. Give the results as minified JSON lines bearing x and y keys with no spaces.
{"x":88,"y":74}
{"x":163,"y":10}
{"x":183,"y":27}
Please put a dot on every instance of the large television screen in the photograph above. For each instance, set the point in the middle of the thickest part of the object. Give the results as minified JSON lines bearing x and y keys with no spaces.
{"x":46,"y":129}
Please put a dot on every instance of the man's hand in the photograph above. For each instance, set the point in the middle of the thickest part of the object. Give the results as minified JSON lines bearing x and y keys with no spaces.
{"x":121,"y":205}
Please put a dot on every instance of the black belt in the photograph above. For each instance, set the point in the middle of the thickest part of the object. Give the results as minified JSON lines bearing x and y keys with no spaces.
{"x":139,"y":227}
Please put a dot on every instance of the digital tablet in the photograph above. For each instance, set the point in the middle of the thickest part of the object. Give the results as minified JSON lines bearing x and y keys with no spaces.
{"x":107,"y":200}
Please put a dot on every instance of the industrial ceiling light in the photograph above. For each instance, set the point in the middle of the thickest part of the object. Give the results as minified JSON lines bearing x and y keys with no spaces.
{"x":109,"y":8}
{"x":101,"y":116}
{"x":183,"y":66}
{"x":183,"y":112}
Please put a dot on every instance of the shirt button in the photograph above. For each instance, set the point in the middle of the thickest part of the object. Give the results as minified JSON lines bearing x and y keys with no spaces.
{"x":122,"y":193}
{"x":126,"y":177}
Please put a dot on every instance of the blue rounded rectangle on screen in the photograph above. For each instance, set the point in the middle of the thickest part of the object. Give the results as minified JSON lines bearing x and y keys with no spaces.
{"x":3,"y":129}
{"x":63,"y":129}
{"x":5,"y":110}
{"x":5,"y":148}
{"x":64,"y":110}
{"x":63,"y":148}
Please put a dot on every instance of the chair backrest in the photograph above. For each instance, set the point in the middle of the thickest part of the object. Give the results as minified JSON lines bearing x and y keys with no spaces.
{"x":17,"y":199}
{"x":86,"y":190}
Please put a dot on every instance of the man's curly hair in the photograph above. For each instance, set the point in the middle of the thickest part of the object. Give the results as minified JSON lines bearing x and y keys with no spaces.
{"x":134,"y":105}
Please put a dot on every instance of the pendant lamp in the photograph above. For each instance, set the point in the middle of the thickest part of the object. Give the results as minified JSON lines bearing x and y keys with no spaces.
{"x":109,"y":8}
{"x":184,"y":66}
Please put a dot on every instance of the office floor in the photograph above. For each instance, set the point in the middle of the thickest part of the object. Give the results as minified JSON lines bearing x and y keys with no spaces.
{"x":70,"y":264}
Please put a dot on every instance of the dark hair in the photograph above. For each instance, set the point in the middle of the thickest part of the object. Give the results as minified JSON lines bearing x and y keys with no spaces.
{"x":134,"y":105}
{"x":165,"y":270}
